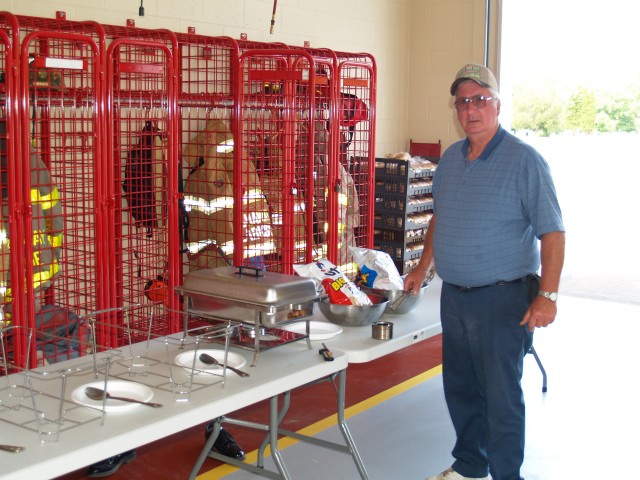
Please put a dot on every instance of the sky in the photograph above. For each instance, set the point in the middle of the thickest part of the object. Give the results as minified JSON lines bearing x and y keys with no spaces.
{"x":572,"y":40}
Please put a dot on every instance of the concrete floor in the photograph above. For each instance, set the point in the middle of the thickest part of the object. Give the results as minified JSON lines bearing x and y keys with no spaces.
{"x":583,"y":427}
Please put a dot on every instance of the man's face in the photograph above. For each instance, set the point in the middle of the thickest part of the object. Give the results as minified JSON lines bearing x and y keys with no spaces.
{"x":477,"y":121}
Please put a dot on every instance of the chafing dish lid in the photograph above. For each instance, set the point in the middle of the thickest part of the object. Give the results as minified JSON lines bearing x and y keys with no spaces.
{"x":251,"y":285}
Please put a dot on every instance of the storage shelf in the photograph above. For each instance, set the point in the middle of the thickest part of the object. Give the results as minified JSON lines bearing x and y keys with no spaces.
{"x":403,"y":209}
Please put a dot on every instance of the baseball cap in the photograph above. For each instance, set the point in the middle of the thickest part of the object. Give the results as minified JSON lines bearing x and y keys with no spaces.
{"x":478,"y":73}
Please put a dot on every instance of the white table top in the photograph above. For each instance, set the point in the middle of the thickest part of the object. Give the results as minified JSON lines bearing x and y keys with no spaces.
{"x":419,"y":324}
{"x":278,"y":370}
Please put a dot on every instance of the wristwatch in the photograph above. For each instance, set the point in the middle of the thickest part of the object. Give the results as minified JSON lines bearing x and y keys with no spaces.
{"x":553,"y":296}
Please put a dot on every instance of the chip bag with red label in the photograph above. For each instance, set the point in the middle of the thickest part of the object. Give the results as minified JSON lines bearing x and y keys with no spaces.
{"x":336,"y":285}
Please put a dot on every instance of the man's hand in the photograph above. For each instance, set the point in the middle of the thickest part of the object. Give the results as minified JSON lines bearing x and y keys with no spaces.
{"x":541,"y":313}
{"x":413,"y":281}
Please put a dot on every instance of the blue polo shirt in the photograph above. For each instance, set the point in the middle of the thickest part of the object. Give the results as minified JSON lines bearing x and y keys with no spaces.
{"x":491,"y":211}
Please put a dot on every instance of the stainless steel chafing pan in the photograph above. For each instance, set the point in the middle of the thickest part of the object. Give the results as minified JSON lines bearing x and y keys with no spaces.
{"x":250,"y":295}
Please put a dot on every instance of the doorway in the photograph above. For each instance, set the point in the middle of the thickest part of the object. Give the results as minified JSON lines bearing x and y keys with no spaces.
{"x":559,"y":53}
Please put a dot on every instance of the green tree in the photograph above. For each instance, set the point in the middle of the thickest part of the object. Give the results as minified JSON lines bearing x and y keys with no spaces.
{"x":539,"y":111}
{"x":543,"y":110}
{"x":617,"y":113}
{"x":581,"y":111}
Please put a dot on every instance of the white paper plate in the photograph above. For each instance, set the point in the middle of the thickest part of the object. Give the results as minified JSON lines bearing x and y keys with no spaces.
{"x":118,"y":388}
{"x":317,"y":330}
{"x":267,"y":337}
{"x":185,"y":360}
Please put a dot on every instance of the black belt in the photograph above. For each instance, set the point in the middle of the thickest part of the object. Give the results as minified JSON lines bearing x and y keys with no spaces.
{"x":499,"y":283}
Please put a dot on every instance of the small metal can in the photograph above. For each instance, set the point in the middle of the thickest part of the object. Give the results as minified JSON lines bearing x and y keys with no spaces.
{"x":382,"y":330}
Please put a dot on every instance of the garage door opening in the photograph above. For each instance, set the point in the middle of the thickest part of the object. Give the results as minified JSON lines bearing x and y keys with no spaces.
{"x":568,"y":89}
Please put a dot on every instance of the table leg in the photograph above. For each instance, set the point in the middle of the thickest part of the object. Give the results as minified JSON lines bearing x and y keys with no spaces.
{"x":206,"y":449}
{"x":349,"y":447}
{"x":267,"y":439}
{"x":273,"y":430}
{"x":256,"y":340}
{"x":342,"y":383}
{"x":274,"y":423}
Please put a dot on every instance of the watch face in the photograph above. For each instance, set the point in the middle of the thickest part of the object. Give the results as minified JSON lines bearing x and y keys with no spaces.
{"x":553,"y":296}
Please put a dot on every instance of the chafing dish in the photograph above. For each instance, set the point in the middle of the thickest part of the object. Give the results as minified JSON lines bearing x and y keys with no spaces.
{"x":250,"y":295}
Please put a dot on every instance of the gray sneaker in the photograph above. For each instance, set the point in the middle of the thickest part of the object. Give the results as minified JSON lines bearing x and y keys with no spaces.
{"x":451,"y":474}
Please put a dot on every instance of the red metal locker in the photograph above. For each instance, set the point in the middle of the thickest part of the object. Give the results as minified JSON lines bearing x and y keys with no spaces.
{"x":61,"y":155}
{"x":143,"y":158}
{"x":274,"y":160}
{"x":356,"y":156}
{"x":11,"y":260}
{"x":274,"y":144}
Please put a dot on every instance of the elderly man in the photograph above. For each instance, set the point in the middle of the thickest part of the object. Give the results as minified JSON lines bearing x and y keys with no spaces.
{"x":496,"y":223}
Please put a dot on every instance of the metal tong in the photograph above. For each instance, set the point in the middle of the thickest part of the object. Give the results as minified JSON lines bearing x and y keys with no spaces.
{"x":395,"y":305}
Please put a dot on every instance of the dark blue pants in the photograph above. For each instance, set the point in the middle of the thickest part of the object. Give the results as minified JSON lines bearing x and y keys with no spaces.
{"x":483,"y":348}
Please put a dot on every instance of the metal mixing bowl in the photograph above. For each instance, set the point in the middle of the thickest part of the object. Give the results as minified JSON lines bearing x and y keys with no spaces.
{"x":354,"y":315}
{"x":393,"y":296}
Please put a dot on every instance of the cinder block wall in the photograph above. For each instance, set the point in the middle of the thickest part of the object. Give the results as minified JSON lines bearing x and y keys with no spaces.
{"x":418,"y":44}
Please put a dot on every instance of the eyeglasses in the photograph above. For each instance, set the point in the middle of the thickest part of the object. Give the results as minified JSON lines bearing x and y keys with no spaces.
{"x":478,"y":101}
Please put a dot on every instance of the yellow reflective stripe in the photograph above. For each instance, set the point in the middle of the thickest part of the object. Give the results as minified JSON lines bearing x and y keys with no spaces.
{"x":39,"y":278}
{"x":208,"y":208}
{"x":39,"y":237}
{"x":44,"y":276}
{"x":196,"y":247}
{"x":251,"y":249}
{"x":56,"y":240}
{"x":252,"y":195}
{"x":216,"y":204}
{"x":225,"y":146}
{"x":47,"y":202}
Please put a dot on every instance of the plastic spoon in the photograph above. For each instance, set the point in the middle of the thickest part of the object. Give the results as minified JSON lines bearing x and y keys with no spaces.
{"x":11,"y":448}
{"x":209,"y":360}
{"x":98,"y":394}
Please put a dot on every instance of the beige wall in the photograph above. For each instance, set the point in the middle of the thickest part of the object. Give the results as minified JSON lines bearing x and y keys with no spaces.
{"x":445,"y":35}
{"x":418,"y":44}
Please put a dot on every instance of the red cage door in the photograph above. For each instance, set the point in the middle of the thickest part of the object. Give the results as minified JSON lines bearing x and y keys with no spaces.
{"x":12,"y":271}
{"x":356,"y":118}
{"x":143,"y":162}
{"x":61,"y":161}
{"x":274,"y":181}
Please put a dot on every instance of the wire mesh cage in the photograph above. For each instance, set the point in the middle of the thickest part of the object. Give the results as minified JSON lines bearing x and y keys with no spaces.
{"x":61,"y":158}
{"x":141,"y":98}
{"x":144,"y":154}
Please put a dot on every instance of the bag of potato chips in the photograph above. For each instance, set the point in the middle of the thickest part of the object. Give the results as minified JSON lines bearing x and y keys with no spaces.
{"x":336,"y":285}
{"x":377,"y":269}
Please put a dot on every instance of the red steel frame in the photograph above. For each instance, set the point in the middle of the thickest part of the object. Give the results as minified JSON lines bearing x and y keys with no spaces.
{"x":62,"y":130}
{"x":141,"y":96}
{"x":270,"y":91}
{"x":12,"y":207}
{"x":310,"y":176}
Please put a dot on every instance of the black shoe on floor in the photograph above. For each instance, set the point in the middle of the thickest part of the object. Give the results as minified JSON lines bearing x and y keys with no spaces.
{"x":225,"y":444}
{"x":110,"y":465}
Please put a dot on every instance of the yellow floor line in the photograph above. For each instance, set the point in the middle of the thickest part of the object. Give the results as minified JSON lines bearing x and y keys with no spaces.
{"x":315,"y":428}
